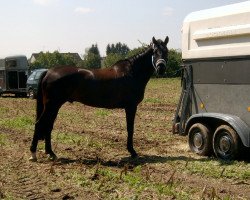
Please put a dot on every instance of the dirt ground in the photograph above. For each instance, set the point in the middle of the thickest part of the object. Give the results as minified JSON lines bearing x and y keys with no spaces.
{"x":93,"y":162}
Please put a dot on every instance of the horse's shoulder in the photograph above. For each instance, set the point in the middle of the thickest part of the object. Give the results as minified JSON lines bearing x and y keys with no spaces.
{"x":86,"y":73}
{"x":122,"y":66}
{"x":121,"y":63}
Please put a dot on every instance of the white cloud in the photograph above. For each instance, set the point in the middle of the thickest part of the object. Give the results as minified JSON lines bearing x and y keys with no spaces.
{"x":168,"y":11}
{"x":44,"y":2}
{"x":83,"y":10}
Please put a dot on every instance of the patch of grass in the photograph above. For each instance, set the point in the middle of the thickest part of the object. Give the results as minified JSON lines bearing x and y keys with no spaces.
{"x":18,"y":122}
{"x":3,"y":139}
{"x":139,"y":183}
{"x":216,"y":169}
{"x":4,"y":110}
{"x":101,"y":112}
{"x":8,"y":196}
{"x":67,"y":138}
{"x":166,"y":90}
{"x":76,"y":139}
{"x":152,"y":100}
{"x":93,"y":143}
{"x":131,"y":184}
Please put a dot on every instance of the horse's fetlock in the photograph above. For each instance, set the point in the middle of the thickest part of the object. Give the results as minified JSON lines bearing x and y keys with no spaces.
{"x":33,"y":157}
{"x":52,"y":157}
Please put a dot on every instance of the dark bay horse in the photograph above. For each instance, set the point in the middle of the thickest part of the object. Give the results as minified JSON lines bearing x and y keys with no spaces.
{"x":120,"y":86}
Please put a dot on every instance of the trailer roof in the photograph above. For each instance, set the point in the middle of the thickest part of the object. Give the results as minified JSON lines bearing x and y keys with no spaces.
{"x":219,"y":11}
{"x":15,"y":56}
{"x":218,"y":32}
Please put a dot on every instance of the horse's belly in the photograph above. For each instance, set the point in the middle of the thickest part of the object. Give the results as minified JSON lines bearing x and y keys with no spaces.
{"x":103,"y":101}
{"x":109,"y":95}
{"x":103,"y":104}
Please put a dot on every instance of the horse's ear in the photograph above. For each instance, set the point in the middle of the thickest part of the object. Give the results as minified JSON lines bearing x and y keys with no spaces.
{"x":154,"y":40}
{"x":166,"y":40}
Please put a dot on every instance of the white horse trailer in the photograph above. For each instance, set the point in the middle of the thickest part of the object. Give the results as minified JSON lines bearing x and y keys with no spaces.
{"x":214,"y":106}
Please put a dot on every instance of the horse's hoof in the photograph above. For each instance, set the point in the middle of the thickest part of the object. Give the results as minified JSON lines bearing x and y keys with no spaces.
{"x":32,"y":159}
{"x":134,"y":155}
{"x":52,"y":157}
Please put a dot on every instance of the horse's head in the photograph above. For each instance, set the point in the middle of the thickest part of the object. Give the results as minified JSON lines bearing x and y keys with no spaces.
{"x":160,"y":55}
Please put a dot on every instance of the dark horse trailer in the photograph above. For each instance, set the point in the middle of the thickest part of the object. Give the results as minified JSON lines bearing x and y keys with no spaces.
{"x":214,"y":106}
{"x":13,"y":75}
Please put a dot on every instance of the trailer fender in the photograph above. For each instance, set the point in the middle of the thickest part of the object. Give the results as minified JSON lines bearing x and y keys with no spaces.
{"x":235,"y":122}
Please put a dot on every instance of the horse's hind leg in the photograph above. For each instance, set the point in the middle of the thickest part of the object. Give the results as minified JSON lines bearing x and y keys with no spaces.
{"x":43,"y":129}
{"x":130,"y":117}
{"x":34,"y":145}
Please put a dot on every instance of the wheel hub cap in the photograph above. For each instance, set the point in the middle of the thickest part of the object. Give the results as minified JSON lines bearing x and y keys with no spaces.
{"x":225,"y":144}
{"x":198,"y":140}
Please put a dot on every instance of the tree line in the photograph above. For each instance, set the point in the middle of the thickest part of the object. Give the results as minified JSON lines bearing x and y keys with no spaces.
{"x":93,"y":60}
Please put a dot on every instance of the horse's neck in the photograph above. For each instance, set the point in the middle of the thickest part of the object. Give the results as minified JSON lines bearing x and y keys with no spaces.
{"x":142,"y":65}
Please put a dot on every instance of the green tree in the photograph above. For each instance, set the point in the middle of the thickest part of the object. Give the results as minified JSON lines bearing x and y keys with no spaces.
{"x":48,"y":60}
{"x":112,"y":58}
{"x":92,"y":58}
{"x":115,"y":52}
{"x":94,"y":49}
{"x":174,"y":63}
{"x":117,"y":48}
{"x":135,"y":51}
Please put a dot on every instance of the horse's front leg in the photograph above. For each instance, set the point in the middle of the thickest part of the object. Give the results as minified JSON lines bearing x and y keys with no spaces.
{"x":51,"y":116}
{"x":130,"y":118}
{"x":48,"y":150}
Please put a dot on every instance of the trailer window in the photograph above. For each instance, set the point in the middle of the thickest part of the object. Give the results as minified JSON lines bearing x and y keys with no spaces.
{"x":11,"y":63}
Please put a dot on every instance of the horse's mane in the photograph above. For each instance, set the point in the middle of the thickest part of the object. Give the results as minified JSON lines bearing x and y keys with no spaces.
{"x":139,"y":55}
{"x":133,"y":59}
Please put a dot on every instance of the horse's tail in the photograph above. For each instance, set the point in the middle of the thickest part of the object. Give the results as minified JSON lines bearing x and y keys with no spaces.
{"x":39,"y":99}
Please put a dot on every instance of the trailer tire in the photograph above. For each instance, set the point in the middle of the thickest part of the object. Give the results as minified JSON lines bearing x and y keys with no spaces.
{"x":200,"y":139}
{"x":226,"y":143}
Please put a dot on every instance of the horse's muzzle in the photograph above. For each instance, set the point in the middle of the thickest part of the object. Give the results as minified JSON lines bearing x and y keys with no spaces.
{"x":161,"y":66}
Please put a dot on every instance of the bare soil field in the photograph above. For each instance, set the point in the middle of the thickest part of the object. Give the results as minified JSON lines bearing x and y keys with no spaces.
{"x":93,"y":162}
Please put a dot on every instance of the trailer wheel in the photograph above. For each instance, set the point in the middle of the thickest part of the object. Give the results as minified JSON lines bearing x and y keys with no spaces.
{"x":226,"y":143}
{"x":200,"y":139}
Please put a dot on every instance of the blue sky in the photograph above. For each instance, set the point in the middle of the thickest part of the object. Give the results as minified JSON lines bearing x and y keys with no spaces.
{"x":30,"y":26}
